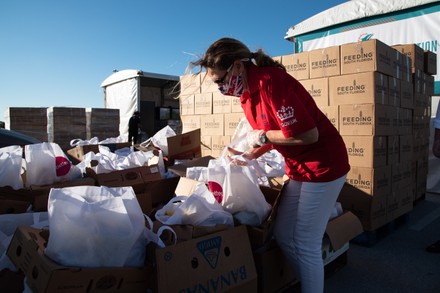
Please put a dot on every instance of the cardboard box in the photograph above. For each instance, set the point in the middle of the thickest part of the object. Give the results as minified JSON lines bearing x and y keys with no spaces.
{"x":184,"y":146}
{"x":205,"y":141}
{"x":414,"y":52}
{"x":13,"y":205}
{"x":190,"y":123}
{"x":406,"y":94}
{"x":418,"y":81}
{"x":399,"y":203}
{"x":218,"y":144}
{"x":406,"y":143}
{"x":77,"y":153}
{"x":366,"y":151}
{"x":190,"y":84}
{"x":421,"y":171}
{"x":397,"y":62}
{"x":231,"y":122}
{"x":221,"y":103}
{"x":297,"y":65}
{"x":26,"y":252}
{"x":39,"y":202}
{"x":212,"y":263}
{"x":318,"y":89}
{"x":135,"y":177}
{"x":430,"y":62}
{"x":274,"y":272}
{"x":339,"y":231}
{"x":212,"y":124}
{"x":359,"y":88}
{"x":329,"y":254}
{"x":405,"y":117}
{"x":371,"y":55}
{"x":371,"y":181}
{"x":207,"y":84}
{"x":371,"y":210}
{"x":183,"y":233}
{"x":325,"y":62}
{"x":180,"y":169}
{"x":394,"y":91}
{"x":34,"y":197}
{"x":393,"y":149}
{"x":156,"y":193}
{"x":236,"y":105}
{"x":203,"y":103}
{"x":186,"y":105}
{"x":332,"y":113}
{"x":401,"y":176}
{"x":365,"y":119}
{"x":405,"y":67}
{"x":429,"y":84}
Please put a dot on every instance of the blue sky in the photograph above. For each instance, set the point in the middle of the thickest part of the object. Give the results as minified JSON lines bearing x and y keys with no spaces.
{"x":57,"y":53}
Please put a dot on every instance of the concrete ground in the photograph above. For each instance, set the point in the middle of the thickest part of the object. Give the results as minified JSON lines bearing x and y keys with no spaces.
{"x":397,"y":261}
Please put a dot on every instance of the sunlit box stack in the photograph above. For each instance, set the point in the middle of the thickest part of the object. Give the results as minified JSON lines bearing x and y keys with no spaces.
{"x":379,"y":98}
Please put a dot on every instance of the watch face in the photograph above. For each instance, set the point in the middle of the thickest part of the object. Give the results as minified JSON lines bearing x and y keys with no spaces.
{"x":263,"y":138}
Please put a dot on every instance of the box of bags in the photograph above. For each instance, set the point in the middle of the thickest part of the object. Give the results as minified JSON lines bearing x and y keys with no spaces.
{"x":26,"y":252}
{"x":213,"y":263}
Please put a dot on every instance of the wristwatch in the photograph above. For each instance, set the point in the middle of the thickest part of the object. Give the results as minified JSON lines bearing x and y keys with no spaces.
{"x":263,"y":138}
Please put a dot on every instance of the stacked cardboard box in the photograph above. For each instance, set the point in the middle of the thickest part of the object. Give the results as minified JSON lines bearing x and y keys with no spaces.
{"x":29,"y":121}
{"x":203,"y":106}
{"x":62,"y":124}
{"x":65,"y":124}
{"x":102,"y":123}
{"x":379,"y":99}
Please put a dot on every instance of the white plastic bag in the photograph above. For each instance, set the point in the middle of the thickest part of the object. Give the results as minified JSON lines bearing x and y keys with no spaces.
{"x":80,"y":142}
{"x":159,"y":139}
{"x":46,"y":163}
{"x":11,"y":166}
{"x":198,"y":209}
{"x":238,"y":190}
{"x":242,"y":195}
{"x":91,"y":226}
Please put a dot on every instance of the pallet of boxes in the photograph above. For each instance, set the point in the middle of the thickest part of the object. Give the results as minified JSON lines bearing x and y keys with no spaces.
{"x":379,"y":98}
{"x":217,"y":116}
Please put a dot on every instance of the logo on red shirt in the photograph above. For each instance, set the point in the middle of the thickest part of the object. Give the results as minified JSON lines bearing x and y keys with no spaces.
{"x":285,"y":113}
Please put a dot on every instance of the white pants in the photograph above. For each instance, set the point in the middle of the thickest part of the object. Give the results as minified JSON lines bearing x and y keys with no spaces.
{"x":302,"y":217}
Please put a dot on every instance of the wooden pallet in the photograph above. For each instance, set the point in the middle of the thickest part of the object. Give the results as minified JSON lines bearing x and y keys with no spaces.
{"x":370,"y":238}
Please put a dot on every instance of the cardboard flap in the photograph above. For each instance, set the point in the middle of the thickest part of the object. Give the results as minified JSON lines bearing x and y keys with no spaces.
{"x":343,"y":228}
{"x":186,"y":186}
{"x":180,"y":169}
{"x":184,"y":146}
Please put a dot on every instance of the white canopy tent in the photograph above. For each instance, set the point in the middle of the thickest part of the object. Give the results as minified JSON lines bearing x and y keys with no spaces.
{"x":391,"y":21}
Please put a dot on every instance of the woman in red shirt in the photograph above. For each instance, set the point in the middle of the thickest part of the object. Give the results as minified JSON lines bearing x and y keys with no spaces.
{"x":285,"y":117}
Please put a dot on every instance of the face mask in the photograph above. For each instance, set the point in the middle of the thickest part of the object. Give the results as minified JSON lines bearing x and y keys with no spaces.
{"x":234,"y":87}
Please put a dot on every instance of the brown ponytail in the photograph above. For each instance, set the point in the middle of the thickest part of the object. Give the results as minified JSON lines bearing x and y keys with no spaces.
{"x":223,"y":52}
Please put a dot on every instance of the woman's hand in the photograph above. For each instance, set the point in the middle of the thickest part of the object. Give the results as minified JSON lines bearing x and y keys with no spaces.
{"x":239,"y":158}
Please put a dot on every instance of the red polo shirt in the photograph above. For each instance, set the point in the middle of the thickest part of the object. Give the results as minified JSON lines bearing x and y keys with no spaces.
{"x":277,"y":101}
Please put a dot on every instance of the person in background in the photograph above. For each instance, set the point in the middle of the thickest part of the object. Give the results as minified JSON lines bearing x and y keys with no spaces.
{"x":435,"y":247}
{"x":285,"y":117}
{"x":133,"y":127}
